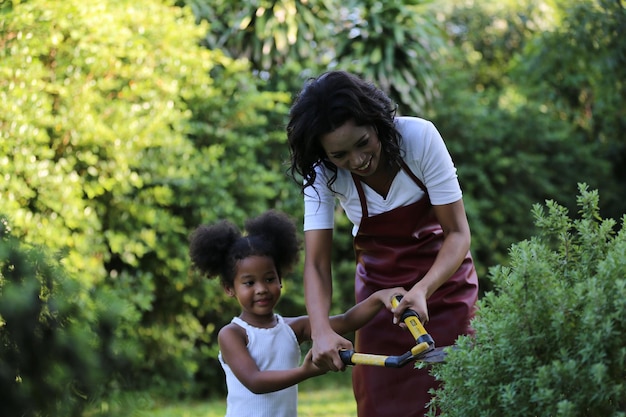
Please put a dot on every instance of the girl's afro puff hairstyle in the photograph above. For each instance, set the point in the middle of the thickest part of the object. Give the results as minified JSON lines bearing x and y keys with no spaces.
{"x":215,"y":249}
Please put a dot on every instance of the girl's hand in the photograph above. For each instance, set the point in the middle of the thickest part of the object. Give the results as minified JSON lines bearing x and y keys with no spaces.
{"x":385,"y":296}
{"x":309,"y":368}
{"x":414,"y":300}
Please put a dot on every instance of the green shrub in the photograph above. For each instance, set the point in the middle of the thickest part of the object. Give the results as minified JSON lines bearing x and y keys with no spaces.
{"x":551,"y":338}
{"x":56,"y":340}
{"x":119,"y":134}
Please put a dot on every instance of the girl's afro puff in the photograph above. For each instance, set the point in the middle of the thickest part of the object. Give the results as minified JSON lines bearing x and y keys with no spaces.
{"x":209,"y":245}
{"x":216,"y":249}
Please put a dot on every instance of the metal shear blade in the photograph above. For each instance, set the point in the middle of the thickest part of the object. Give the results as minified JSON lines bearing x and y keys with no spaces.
{"x":435,"y":355}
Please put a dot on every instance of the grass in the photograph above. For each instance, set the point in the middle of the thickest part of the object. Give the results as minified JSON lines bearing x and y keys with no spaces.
{"x":327,"y":395}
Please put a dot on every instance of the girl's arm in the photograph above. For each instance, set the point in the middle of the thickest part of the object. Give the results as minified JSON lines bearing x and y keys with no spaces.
{"x":232,"y":342}
{"x":353,"y":319}
{"x":357,"y":316}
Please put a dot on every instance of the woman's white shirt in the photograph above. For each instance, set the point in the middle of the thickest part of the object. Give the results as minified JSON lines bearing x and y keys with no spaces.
{"x":426,"y":156}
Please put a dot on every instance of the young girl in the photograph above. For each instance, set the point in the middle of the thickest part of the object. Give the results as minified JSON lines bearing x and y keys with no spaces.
{"x":259,"y":350}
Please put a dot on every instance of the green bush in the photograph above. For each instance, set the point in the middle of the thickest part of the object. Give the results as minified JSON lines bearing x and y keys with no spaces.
{"x":551,"y":338}
{"x":57,"y":349}
{"x":119,"y":134}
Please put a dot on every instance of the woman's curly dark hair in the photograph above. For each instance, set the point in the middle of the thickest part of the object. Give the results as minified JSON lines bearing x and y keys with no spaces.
{"x":326,"y":103}
{"x":215,"y":249}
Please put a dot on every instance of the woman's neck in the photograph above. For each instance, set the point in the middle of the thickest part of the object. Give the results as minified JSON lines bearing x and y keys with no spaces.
{"x":382,"y":179}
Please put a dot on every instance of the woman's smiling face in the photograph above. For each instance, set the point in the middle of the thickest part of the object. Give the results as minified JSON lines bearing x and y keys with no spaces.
{"x":354,"y":148}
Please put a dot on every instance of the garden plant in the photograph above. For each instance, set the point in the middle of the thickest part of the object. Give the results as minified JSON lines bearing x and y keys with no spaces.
{"x":551,"y":337}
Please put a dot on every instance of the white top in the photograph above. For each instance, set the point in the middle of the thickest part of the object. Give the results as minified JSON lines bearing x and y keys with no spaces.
{"x":426,"y":156}
{"x":272,"y":349}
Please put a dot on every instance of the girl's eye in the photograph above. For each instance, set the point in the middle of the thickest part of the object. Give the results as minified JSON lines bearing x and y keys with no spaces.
{"x":362,"y":143}
{"x":248,"y":283}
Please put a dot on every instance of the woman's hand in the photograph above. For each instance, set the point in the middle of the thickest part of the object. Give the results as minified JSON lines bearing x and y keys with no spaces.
{"x":325,"y":351}
{"x":415,"y":300}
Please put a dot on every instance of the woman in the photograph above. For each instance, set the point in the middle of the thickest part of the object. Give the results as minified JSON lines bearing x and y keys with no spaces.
{"x":396,"y":182}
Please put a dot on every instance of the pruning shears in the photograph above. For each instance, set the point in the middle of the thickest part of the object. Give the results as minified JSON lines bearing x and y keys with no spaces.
{"x":424,"y":349}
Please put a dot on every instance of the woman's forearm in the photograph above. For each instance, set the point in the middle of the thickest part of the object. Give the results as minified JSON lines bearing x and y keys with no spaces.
{"x":454,"y":248}
{"x":318,"y":284}
{"x":318,"y":296}
{"x":452,"y":253}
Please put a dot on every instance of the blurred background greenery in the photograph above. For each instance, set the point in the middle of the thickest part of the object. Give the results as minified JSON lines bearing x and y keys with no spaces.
{"x":125,"y":124}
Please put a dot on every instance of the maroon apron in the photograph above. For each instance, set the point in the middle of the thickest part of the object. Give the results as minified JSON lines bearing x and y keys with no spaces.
{"x":396,"y":249}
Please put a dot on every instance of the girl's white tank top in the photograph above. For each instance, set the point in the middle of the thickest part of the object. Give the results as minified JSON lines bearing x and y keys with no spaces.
{"x":276,"y":348}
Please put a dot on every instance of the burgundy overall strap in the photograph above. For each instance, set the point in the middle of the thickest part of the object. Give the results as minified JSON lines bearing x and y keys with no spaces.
{"x":410,"y":173}
{"x":359,"y":189}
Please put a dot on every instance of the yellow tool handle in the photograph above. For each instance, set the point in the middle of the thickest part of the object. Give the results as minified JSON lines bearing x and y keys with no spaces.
{"x":424,"y":344}
{"x":420,"y":348}
{"x":413,"y":323}
{"x":349,"y":357}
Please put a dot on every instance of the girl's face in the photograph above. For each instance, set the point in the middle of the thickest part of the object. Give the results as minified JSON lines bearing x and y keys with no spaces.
{"x":355,"y":148}
{"x":257,"y":288}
